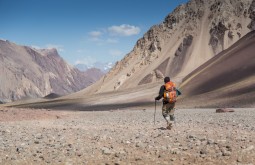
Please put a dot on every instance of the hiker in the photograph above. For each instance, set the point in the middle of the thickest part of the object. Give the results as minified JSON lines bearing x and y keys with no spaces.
{"x":169,"y":94}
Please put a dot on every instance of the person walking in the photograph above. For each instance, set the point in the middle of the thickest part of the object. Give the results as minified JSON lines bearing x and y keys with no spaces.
{"x":169,"y":94}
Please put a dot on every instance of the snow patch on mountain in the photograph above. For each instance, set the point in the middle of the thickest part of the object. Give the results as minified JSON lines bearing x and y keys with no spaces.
{"x":104,"y":67}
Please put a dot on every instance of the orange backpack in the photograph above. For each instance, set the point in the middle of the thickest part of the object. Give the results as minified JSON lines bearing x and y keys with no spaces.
{"x":170,"y":95}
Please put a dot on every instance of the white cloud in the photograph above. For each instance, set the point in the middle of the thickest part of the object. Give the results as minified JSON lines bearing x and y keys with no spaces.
{"x":88,"y":61}
{"x":95,"y":33}
{"x":35,"y":47}
{"x":115,"y":52}
{"x":124,"y":30}
{"x":60,"y":48}
{"x":79,"y":51}
{"x":3,"y":39}
{"x":82,"y":51}
{"x":112,"y":41}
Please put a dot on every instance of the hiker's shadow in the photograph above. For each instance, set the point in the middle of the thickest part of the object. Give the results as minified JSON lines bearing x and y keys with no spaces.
{"x":162,"y":128}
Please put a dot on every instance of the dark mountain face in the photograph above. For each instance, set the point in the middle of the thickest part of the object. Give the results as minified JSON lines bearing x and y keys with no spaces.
{"x":227,"y":79}
{"x":28,"y":72}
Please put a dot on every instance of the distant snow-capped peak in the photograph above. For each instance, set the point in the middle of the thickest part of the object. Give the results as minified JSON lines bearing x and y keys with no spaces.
{"x":104,"y":67}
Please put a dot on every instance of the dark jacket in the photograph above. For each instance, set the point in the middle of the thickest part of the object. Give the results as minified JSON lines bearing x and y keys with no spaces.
{"x":161,"y":93}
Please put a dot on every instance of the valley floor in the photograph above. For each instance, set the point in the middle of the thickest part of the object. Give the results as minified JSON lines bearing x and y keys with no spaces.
{"x":200,"y":136}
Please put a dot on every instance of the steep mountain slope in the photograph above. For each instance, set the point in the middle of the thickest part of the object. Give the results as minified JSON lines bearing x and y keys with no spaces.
{"x":189,"y":36}
{"x":227,"y":79}
{"x":28,"y":72}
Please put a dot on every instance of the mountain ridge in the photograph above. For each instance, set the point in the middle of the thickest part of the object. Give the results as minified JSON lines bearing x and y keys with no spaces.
{"x":30,"y":73}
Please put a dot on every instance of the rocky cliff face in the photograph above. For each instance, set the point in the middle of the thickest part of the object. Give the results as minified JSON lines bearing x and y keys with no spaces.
{"x":28,"y":72}
{"x":192,"y":34}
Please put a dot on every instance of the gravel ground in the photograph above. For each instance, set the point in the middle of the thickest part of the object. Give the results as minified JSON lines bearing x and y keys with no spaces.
{"x":200,"y":136}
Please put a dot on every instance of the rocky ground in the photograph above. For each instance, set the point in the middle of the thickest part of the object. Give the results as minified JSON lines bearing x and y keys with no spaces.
{"x":200,"y":136}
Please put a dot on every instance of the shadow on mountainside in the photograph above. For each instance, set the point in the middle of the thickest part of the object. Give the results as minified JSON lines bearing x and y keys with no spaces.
{"x":52,"y":96}
{"x":86,"y":107}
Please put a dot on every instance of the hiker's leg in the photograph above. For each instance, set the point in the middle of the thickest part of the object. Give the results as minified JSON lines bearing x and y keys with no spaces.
{"x":170,"y":109}
{"x":171,"y":113}
{"x":172,"y":118}
{"x":165,"y":113}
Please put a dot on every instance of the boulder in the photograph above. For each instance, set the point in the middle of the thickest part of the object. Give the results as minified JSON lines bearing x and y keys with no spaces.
{"x":224,"y":110}
{"x":159,"y":74}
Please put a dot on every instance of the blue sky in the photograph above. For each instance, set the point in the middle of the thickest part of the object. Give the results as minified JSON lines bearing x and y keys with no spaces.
{"x":83,"y":31}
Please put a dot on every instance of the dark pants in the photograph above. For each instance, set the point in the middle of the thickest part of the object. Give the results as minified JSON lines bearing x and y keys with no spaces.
{"x":168,"y":112}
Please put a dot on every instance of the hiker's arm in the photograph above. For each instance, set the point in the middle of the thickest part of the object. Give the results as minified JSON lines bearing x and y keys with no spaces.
{"x":178,"y":92}
{"x":161,"y":93}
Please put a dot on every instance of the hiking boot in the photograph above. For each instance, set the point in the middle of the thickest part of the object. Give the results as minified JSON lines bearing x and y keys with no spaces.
{"x":169,"y":127}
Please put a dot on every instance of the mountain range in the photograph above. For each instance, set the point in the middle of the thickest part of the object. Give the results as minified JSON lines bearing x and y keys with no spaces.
{"x":206,"y":47}
{"x":30,"y":73}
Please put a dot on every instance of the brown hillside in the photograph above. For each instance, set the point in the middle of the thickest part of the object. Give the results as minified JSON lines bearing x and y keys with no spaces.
{"x":227,"y":79}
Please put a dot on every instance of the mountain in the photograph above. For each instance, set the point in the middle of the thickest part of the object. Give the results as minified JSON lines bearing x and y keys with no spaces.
{"x":103,"y":67}
{"x":205,"y":46}
{"x":94,"y":74}
{"x":226,"y":79}
{"x":28,"y":73}
{"x":188,"y":37}
{"x":81,"y":67}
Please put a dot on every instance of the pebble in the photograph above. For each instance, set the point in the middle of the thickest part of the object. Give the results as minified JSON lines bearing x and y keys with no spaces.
{"x":226,"y":153}
{"x":248,"y":149}
{"x":106,"y":151}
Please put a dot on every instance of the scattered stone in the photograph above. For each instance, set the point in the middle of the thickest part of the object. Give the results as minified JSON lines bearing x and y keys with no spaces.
{"x":173,"y":159}
{"x":203,"y":151}
{"x":79,"y":154}
{"x":248,"y":149}
{"x":210,"y":142}
{"x":106,"y":151}
{"x":226,"y":153}
{"x":224,"y":110}
{"x":38,"y":136}
{"x":41,"y":157}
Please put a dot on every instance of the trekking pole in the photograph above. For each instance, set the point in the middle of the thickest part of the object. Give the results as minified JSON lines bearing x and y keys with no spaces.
{"x":155,"y":112}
